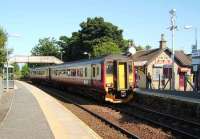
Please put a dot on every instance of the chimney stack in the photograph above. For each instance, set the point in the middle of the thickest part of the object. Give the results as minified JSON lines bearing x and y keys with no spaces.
{"x":163,"y":42}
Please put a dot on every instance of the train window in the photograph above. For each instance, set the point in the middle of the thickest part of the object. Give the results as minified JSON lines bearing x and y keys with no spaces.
{"x":93,"y":71}
{"x":68,"y":72}
{"x":85,"y":72}
{"x":73,"y":72}
{"x":78,"y":72}
{"x":109,"y":68}
{"x":81,"y":72}
{"x":130,"y":68}
{"x":97,"y":70}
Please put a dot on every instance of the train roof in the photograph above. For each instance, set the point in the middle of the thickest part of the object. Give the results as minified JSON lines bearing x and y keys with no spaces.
{"x":88,"y":61}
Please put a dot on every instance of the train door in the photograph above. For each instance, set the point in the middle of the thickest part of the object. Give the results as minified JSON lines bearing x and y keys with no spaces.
{"x":121,"y":76}
{"x":93,"y":74}
{"x":181,"y":80}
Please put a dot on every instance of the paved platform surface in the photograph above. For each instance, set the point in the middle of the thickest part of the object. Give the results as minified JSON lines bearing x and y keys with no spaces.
{"x":36,"y":115}
{"x":187,"y":97}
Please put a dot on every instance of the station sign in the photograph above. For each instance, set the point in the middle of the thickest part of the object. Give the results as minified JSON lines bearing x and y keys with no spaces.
{"x":196,"y":53}
{"x":195,"y":67}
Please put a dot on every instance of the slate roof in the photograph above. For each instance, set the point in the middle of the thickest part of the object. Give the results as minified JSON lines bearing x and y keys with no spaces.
{"x":146,"y":55}
{"x":183,"y":58}
{"x":149,"y":55}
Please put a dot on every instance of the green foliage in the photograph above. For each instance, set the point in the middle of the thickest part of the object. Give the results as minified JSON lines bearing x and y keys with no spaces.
{"x":25,"y":71}
{"x":17,"y":72}
{"x":94,"y":32}
{"x":64,"y":43}
{"x":126,"y":44}
{"x":147,"y":47}
{"x":46,"y":47}
{"x":105,"y":48}
{"x":139,"y":48}
{"x":3,"y":40}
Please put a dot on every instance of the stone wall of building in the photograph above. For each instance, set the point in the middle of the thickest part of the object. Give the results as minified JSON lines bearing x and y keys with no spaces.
{"x":155,"y":68}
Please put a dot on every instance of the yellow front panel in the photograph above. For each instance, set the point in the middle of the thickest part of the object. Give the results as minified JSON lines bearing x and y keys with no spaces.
{"x":121,"y":70}
{"x":109,"y":79}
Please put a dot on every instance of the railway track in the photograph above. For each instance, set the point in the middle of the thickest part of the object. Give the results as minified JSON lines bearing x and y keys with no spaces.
{"x":106,"y":121}
{"x":176,"y":125}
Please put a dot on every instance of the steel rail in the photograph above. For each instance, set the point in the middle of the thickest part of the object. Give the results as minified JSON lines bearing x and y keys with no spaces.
{"x":172,"y":129}
{"x":112,"y":124}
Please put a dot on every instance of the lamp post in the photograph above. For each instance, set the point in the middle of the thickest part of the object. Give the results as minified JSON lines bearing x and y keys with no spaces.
{"x":61,"y":54}
{"x":86,"y":53}
{"x":173,"y":28}
{"x":9,"y":35}
{"x":193,"y":50}
{"x":195,"y":33}
{"x":6,"y":69}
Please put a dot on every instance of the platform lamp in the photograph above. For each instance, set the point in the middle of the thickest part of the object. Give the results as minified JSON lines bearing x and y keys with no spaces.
{"x":194,"y":48}
{"x":173,"y":28}
{"x":86,"y":53}
{"x":195,"y":33}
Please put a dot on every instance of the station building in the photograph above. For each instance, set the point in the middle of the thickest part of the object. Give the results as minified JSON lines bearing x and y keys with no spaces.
{"x":158,"y":63}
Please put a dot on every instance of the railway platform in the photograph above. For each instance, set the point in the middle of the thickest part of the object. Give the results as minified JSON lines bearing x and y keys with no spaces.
{"x":30,"y":113}
{"x":192,"y":97}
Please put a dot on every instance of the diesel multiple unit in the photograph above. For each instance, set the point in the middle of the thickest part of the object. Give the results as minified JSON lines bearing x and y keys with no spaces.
{"x":110,"y":78}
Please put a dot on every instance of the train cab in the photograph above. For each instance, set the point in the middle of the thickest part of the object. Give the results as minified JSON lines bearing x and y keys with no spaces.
{"x":119,"y":80}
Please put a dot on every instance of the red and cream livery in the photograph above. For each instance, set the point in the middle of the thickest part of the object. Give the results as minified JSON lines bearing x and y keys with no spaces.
{"x":110,"y":77}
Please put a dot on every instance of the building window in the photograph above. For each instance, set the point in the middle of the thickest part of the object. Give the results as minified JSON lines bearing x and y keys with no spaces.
{"x":167,"y":73}
{"x":109,"y":68}
{"x":156,"y":73}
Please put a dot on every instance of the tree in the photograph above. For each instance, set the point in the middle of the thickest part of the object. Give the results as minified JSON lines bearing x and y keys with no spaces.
{"x":139,"y":48}
{"x":94,"y":32}
{"x":126,"y":44}
{"x":3,"y":40}
{"x":147,"y":47}
{"x":105,"y":48}
{"x":46,"y":47}
{"x":25,"y":71}
{"x":64,"y":44}
{"x":16,"y":68}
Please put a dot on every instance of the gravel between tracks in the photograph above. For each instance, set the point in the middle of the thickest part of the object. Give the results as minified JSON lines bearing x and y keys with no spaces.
{"x":97,"y":125}
{"x":140,"y":128}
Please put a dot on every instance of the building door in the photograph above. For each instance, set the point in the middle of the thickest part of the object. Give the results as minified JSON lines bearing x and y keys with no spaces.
{"x":181,"y":80}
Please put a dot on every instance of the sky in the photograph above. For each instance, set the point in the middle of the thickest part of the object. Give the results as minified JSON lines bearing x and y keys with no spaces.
{"x":141,"y":20}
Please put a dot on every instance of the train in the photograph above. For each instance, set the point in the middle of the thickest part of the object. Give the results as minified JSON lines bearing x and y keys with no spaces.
{"x":110,"y":78}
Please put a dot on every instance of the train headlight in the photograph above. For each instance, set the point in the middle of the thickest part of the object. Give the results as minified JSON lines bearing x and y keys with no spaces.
{"x":131,"y":84}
